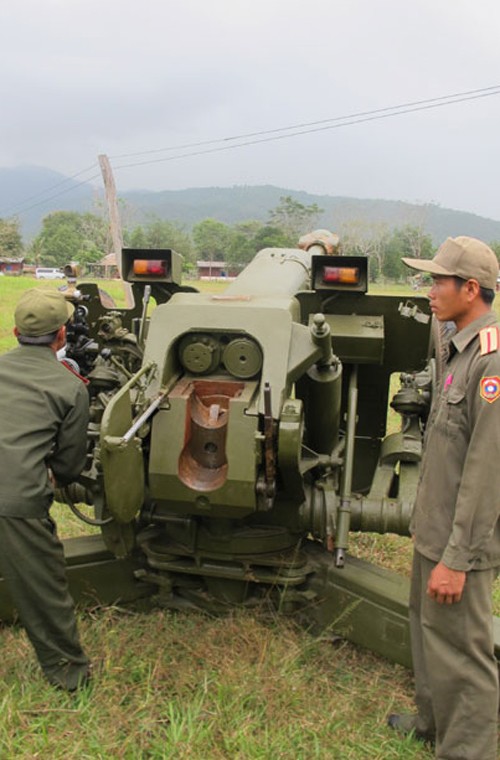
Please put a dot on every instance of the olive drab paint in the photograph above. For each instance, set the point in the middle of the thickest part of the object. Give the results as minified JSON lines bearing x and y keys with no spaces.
{"x":236,"y":439}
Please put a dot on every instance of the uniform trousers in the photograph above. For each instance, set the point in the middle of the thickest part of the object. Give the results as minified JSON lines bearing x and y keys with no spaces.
{"x":456,"y":674}
{"x":33,"y":567}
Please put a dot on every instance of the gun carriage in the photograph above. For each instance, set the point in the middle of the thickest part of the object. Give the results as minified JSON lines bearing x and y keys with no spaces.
{"x":235,"y":440}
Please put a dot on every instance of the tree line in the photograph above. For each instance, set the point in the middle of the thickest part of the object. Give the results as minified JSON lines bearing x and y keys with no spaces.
{"x":68,"y":236}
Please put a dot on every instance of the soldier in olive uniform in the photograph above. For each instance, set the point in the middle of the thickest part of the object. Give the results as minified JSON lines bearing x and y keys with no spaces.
{"x":44,"y":416}
{"x":455,"y":524}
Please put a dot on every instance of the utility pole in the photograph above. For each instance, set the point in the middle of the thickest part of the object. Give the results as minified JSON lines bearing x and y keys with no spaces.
{"x":114,"y":222}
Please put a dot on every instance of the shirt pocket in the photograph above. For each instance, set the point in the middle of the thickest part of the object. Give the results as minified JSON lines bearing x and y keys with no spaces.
{"x":455,"y":412}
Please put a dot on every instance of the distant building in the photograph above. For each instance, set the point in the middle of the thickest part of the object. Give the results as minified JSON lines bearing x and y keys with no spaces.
{"x":216,"y":270}
{"x":106,"y":267}
{"x":11,"y":266}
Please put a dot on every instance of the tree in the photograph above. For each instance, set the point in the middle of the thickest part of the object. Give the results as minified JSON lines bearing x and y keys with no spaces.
{"x":495,"y":246}
{"x":248,"y":229}
{"x":136,"y":238}
{"x":247,"y":238}
{"x":360,"y":238}
{"x":294,"y":218}
{"x":271,"y":237}
{"x":159,"y":233}
{"x":68,"y":236}
{"x":35,"y":251}
{"x":407,"y":241}
{"x":211,"y":239}
{"x":417,"y":243}
{"x":96,"y":238}
{"x":11,"y":243}
{"x":240,"y":249}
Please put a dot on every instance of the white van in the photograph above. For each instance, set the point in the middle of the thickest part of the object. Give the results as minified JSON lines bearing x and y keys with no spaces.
{"x":48,"y":273}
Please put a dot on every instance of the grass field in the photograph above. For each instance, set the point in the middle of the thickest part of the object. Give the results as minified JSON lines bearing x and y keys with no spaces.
{"x":179,"y":686}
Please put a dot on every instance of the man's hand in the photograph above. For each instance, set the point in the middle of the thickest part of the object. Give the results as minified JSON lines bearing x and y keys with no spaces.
{"x":446,"y":586}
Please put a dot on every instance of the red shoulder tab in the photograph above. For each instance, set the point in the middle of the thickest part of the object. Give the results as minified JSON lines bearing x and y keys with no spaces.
{"x":489,"y":339}
{"x":74,"y":372}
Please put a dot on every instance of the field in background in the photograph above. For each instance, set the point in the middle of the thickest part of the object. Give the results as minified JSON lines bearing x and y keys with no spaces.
{"x":12,"y":287}
{"x":176,"y":685}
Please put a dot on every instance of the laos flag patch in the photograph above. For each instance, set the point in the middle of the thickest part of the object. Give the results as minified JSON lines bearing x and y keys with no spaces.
{"x":490,"y":388}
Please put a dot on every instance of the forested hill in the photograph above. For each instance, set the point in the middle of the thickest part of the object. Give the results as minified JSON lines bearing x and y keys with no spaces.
{"x":239,"y":203}
{"x":33,"y":192}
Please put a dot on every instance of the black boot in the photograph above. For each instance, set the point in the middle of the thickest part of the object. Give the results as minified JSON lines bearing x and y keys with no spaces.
{"x":407,"y":724}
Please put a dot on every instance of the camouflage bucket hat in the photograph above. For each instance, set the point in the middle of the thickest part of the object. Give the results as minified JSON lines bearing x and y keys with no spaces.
{"x":464,"y":257}
{"x":40,"y":313}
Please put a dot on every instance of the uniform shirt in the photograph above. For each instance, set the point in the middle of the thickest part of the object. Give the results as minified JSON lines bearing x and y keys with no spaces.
{"x":43,"y":423}
{"x":455,"y":517}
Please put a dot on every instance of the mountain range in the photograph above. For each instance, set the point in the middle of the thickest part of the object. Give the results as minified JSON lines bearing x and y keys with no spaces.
{"x":30,"y":193}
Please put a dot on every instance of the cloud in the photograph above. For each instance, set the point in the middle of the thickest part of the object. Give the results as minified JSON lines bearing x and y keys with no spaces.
{"x":82,"y":78}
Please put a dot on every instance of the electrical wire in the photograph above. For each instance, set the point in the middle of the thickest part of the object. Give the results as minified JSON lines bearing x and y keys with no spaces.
{"x":339,"y":123}
{"x":262,"y":136}
{"x":52,"y":187}
{"x":482,"y":90}
{"x":23,"y":209}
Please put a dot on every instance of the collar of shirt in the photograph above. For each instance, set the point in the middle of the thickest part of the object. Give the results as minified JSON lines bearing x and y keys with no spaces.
{"x":461,"y":339}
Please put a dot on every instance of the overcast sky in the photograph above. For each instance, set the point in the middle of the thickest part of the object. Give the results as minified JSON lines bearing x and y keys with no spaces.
{"x":84,"y":77}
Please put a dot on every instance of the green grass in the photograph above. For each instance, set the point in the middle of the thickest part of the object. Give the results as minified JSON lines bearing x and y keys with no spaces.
{"x":186,"y":686}
{"x":11,"y":289}
{"x":175,"y":685}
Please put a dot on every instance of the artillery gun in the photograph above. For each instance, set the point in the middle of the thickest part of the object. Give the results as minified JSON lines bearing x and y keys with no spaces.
{"x":236,"y":439}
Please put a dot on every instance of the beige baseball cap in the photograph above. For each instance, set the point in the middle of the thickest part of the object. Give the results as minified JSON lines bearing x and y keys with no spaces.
{"x":463,"y":256}
{"x":40,"y":313}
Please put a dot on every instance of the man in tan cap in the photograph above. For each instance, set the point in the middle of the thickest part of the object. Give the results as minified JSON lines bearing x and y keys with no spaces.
{"x":455,"y":525}
{"x":44,"y":416}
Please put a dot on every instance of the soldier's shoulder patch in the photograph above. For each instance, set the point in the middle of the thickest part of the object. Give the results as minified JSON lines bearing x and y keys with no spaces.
{"x":489,"y":388}
{"x":489,"y":340}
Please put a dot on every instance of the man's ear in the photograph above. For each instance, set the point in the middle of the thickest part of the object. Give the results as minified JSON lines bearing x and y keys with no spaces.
{"x":473,"y":289}
{"x":60,"y":340}
{"x":16,"y":332}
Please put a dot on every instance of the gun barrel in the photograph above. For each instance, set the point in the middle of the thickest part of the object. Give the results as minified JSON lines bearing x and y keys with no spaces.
{"x":274,"y":272}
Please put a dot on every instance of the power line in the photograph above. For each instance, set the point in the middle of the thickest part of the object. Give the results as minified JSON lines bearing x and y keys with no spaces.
{"x":23,"y":210}
{"x":52,"y":187}
{"x":480,"y":92}
{"x":262,"y":136}
{"x":346,"y":122}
